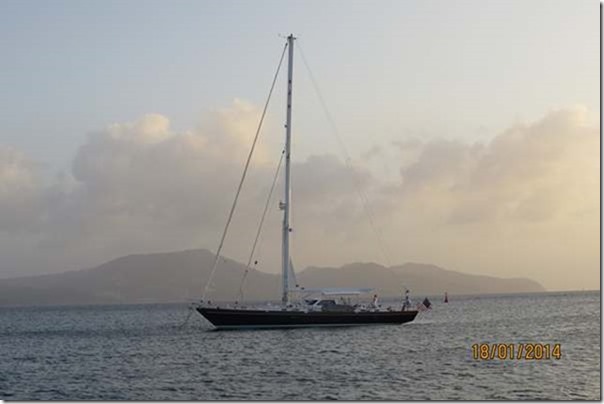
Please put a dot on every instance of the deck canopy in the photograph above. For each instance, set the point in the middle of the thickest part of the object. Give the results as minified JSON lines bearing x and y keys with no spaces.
{"x":335,"y":291}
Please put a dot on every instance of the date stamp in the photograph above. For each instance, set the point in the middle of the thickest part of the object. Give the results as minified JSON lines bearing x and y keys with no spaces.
{"x":518,"y":351}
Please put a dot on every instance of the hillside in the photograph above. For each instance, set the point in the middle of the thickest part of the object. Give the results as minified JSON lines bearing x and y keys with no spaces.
{"x":422,"y":279}
{"x":181,"y":276}
{"x":149,"y":278}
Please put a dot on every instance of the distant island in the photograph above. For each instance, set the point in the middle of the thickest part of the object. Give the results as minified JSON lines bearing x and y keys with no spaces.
{"x":180,"y":277}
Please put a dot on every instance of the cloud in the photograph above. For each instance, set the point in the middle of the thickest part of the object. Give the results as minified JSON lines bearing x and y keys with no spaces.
{"x":20,"y":201}
{"x":135,"y":187}
{"x":523,"y":174}
{"x":141,"y":186}
{"x":526,"y":202}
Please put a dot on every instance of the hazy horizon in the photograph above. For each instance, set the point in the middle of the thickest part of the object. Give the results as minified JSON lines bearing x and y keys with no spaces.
{"x":473,"y":128}
{"x":369,"y":263}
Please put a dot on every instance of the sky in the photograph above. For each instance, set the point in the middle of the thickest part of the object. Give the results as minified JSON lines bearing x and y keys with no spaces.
{"x":472,"y":127}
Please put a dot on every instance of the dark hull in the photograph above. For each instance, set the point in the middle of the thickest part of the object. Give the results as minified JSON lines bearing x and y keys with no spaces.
{"x":237,"y":319}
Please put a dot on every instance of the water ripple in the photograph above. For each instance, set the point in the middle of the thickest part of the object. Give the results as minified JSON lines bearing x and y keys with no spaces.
{"x":141,"y":353}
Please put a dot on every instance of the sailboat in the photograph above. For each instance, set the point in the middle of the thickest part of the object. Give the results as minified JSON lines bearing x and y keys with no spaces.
{"x":317,"y":307}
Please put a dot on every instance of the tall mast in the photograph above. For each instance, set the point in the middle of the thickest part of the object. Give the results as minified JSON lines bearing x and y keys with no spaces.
{"x":285,"y":205}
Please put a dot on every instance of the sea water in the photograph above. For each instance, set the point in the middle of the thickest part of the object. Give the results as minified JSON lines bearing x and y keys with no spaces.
{"x":144,"y":352}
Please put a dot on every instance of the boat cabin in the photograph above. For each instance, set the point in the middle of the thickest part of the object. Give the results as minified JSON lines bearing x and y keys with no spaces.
{"x":332,"y":299}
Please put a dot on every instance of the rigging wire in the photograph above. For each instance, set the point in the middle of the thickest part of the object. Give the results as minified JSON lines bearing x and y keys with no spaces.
{"x":247,"y":164}
{"x":348,"y":161}
{"x":266,"y":208}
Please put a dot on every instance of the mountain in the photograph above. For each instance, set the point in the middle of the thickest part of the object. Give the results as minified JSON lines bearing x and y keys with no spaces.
{"x":149,"y":278}
{"x":181,"y":276}
{"x":422,"y":279}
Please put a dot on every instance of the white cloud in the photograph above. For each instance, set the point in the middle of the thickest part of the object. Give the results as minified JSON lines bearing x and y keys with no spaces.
{"x":528,"y":173}
{"x":532,"y":193}
{"x":523,"y":203}
{"x":19,"y":192}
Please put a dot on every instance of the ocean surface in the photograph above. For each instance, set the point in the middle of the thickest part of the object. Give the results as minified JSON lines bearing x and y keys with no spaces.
{"x":143,"y":352}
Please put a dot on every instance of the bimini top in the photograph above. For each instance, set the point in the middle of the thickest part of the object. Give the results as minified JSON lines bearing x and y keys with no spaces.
{"x":336,"y":291}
